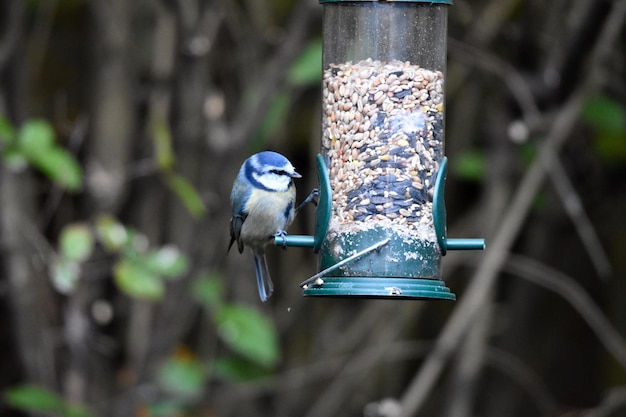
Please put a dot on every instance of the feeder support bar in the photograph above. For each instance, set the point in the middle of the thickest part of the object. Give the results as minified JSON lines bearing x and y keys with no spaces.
{"x":439,"y":217}
{"x":322,"y":219}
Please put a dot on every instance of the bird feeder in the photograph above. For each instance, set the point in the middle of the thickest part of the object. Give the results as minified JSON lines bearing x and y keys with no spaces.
{"x":381,"y":228}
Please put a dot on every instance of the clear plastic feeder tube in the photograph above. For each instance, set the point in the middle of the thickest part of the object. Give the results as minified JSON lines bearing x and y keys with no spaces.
{"x":383,"y":133}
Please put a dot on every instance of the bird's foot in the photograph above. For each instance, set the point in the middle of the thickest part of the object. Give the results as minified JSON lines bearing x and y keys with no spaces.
{"x":312,"y":198}
{"x":282,"y":234}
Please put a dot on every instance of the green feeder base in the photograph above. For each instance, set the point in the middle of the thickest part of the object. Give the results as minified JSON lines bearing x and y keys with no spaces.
{"x":386,"y":288}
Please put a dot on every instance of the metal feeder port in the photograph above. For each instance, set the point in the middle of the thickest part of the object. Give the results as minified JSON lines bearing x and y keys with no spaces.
{"x":381,"y":227}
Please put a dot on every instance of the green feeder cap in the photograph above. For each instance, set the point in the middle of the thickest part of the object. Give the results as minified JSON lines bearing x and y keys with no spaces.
{"x":387,"y":288}
{"x":384,"y":278}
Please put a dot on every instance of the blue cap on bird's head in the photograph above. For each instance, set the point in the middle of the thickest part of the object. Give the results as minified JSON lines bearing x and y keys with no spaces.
{"x":273,"y":161}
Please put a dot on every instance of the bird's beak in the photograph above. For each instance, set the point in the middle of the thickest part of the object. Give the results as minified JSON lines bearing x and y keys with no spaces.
{"x":294,"y":174}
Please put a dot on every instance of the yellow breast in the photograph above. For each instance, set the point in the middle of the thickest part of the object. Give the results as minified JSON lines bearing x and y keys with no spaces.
{"x":268,"y":213}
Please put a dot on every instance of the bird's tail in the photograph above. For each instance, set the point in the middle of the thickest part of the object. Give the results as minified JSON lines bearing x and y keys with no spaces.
{"x":263,"y":278}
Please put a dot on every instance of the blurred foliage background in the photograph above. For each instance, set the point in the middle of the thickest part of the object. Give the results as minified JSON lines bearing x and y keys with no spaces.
{"x":122,"y":126}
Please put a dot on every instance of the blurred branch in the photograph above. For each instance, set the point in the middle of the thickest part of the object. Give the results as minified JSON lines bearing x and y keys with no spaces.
{"x":25,"y":255}
{"x":486,"y":274}
{"x":381,"y":333}
{"x":489,"y":24}
{"x":385,"y":354}
{"x":574,"y":208}
{"x":525,"y":377}
{"x":614,"y":400}
{"x":251,"y":113}
{"x":40,"y":36}
{"x":111,"y":100}
{"x":568,"y":61}
{"x":576,"y":295}
{"x":515,"y":82}
{"x":470,"y":363}
{"x":496,"y":255}
{"x":184,"y":35}
{"x":523,"y":95}
{"x":13,"y":25}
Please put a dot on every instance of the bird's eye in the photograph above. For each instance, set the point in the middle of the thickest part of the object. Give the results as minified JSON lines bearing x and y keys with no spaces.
{"x":278,"y":172}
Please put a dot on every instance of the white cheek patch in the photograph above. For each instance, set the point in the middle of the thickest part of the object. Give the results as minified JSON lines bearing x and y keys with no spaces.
{"x":273,"y":181}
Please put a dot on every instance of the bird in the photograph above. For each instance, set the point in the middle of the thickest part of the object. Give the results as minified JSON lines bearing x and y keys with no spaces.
{"x":262,"y":201}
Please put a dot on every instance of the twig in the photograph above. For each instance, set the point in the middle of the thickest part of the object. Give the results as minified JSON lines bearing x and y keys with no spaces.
{"x":574,"y":208}
{"x":380,"y":355}
{"x":469,"y":364}
{"x":253,"y":111}
{"x":40,"y":37}
{"x":344,"y":261}
{"x":515,"y":82}
{"x":573,"y":293}
{"x":485,"y":276}
{"x":614,"y":400}
{"x":13,"y":26}
{"x":525,"y":376}
{"x":522,"y":94}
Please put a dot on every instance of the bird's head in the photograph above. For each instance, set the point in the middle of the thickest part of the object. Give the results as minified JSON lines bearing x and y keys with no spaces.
{"x":270,"y":171}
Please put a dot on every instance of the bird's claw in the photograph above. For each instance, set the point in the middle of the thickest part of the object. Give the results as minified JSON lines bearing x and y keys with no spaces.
{"x":282,"y":234}
{"x":312,"y":198}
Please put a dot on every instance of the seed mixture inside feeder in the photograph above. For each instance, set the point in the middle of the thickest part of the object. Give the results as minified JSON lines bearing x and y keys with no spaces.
{"x":383,"y":143}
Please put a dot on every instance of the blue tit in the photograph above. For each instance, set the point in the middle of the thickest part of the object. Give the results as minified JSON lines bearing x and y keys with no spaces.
{"x":262,"y":202}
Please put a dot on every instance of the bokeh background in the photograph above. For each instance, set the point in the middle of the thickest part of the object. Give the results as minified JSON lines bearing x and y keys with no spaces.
{"x":122,"y":126}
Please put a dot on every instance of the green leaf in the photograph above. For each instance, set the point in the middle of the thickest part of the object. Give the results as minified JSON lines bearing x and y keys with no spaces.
{"x":34,"y":399}
{"x":137,"y":244}
{"x":14,"y":159}
{"x":610,"y":147}
{"x":64,"y":274}
{"x":36,"y":144}
{"x":605,"y":114}
{"x":138,"y":282}
{"x":470,"y":166}
{"x":528,"y":152}
{"x":36,"y":141}
{"x":112,"y":234}
{"x":307,"y":69}
{"x":35,"y":138}
{"x":167,"y":261}
{"x":77,"y":411}
{"x":7,"y":133}
{"x":187,"y":194}
{"x":248,"y":333}
{"x":608,"y":118}
{"x":182,"y":376}
{"x":208,"y":290}
{"x":238,"y":369}
{"x":166,"y":408}
{"x":76,"y":242}
{"x":163,"y":145}
{"x":60,"y":166}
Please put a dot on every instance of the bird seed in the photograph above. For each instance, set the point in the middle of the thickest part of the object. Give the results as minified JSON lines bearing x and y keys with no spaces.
{"x":383,"y":143}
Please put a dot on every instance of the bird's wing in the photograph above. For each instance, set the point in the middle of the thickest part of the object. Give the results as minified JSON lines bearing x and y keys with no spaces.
{"x":238,"y":203}
{"x":236,"y":222}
